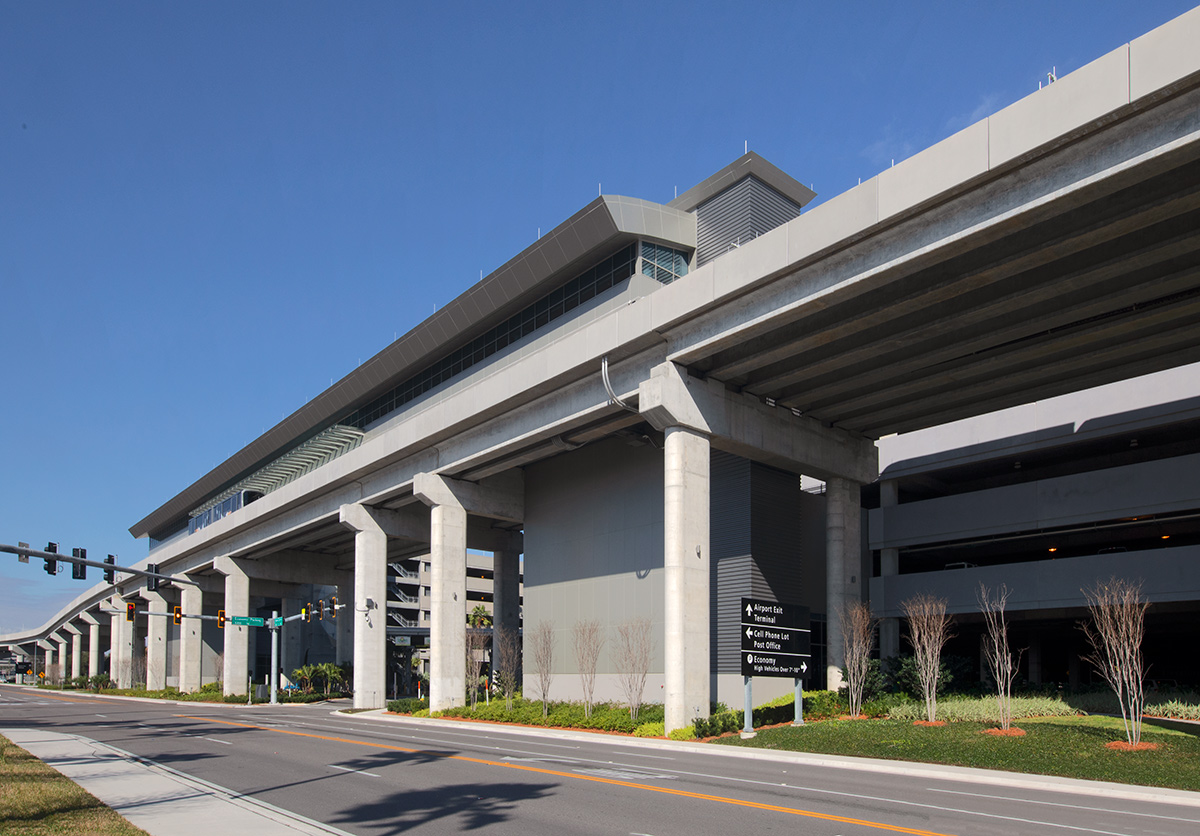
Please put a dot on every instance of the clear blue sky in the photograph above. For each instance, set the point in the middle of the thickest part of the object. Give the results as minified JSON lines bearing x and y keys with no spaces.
{"x":210,"y":210}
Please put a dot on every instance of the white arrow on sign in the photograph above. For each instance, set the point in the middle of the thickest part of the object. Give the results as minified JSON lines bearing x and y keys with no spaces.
{"x":749,"y":632}
{"x":803,"y":667}
{"x":749,"y":610}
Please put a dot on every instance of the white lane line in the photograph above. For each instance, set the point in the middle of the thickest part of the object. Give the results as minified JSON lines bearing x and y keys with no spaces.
{"x":1068,"y":806}
{"x":105,"y":716}
{"x":222,"y":742}
{"x":355,"y":771}
{"x":656,"y":757}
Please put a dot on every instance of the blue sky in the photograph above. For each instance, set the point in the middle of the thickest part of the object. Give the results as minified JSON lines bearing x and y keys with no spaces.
{"x":209,"y":211}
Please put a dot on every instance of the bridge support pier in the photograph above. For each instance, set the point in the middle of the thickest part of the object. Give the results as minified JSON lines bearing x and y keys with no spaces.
{"x":236,"y":672}
{"x":191,"y":602}
{"x":156,"y":640}
{"x":369,"y":604}
{"x":843,"y":536}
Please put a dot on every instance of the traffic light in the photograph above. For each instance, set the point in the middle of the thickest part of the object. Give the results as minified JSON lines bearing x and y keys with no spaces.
{"x":51,"y":564}
{"x":152,"y":581}
{"x":320,"y":610}
{"x":78,"y":570}
{"x":129,"y":610}
{"x":178,"y":615}
{"x":333,"y":606}
{"x":221,"y":619}
{"x":110,"y":575}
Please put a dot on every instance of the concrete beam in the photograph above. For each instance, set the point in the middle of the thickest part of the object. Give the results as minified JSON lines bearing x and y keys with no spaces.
{"x":501,"y":497}
{"x":404,"y":524}
{"x":297,"y":567}
{"x":743,"y":425}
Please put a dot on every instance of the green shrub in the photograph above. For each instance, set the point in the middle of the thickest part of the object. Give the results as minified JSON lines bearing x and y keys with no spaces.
{"x":407,"y":706}
{"x":683,"y":734}
{"x":212,"y":688}
{"x":717,"y":724}
{"x":651,"y":730}
{"x":821,"y":705}
{"x":99,"y":682}
{"x":984,"y":709}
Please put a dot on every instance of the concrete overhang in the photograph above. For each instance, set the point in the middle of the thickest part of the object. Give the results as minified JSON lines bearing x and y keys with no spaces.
{"x":604,"y":225}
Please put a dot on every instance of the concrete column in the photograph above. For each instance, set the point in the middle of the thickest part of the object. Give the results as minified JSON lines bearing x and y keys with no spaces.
{"x":344,"y":634}
{"x":60,"y":659}
{"x":94,"y":653}
{"x":136,"y":650}
{"x":448,"y":606}
{"x":76,"y":655}
{"x":191,"y":641}
{"x":237,"y":639}
{"x":368,"y":606}
{"x":156,"y":640}
{"x":49,"y":665}
{"x":290,"y":645}
{"x":842,"y":560}
{"x":116,"y":644}
{"x":506,"y":591}
{"x":686,"y":564}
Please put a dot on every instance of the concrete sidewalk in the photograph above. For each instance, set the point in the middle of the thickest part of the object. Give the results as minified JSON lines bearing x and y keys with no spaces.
{"x":156,"y":798}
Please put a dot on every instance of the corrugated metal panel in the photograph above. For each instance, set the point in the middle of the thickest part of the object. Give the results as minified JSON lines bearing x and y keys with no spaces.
{"x":737,"y":215}
{"x":755,"y":539}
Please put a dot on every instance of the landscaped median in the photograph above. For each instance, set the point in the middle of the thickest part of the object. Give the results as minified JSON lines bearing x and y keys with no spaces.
{"x":39,"y":800}
{"x":1068,"y":737}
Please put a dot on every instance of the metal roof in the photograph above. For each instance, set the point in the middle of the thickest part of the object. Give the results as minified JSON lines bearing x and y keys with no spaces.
{"x":604,"y":223}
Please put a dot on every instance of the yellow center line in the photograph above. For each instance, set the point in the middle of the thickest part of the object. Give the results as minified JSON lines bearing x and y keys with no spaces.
{"x":541,"y":770}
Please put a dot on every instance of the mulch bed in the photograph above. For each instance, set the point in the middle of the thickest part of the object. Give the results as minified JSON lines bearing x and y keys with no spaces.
{"x":1125,"y":746}
{"x":929,"y":723}
{"x":1011,"y":731}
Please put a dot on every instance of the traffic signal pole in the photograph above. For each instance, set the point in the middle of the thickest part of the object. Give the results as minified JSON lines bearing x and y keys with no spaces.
{"x":25,"y":551}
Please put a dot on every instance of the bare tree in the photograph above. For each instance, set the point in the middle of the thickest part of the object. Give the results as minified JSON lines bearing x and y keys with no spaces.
{"x":858,"y":639}
{"x":476,"y":645}
{"x":541,"y":645}
{"x":508,"y":663}
{"x":928,"y":631}
{"x":588,"y":639}
{"x":634,"y":646}
{"x":1115,"y":634}
{"x":1001,"y":662}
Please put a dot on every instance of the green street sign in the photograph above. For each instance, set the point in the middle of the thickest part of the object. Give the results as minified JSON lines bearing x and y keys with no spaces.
{"x":246,"y":621}
{"x":279,"y":621}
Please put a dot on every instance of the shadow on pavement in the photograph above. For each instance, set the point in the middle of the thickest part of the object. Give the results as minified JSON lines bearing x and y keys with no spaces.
{"x":464,"y":806}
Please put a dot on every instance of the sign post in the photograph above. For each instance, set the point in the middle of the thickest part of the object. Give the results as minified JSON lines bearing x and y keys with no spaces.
{"x":776,"y":641}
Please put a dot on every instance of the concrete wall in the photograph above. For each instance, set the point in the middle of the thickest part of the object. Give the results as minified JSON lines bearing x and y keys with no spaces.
{"x":1168,"y":575}
{"x":1153,"y":487}
{"x":594,"y":550}
{"x":1122,"y":407}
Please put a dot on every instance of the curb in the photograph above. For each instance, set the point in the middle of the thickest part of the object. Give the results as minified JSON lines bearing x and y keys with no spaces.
{"x":962,"y":774}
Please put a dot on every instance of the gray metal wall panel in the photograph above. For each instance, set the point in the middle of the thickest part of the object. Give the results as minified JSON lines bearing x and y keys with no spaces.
{"x":737,"y":215}
{"x":755,"y":541}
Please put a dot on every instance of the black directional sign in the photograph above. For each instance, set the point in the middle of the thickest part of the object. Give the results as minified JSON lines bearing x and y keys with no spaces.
{"x":776,"y":639}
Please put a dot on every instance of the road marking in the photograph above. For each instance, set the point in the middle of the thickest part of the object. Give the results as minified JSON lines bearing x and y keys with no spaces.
{"x":656,"y":757}
{"x":1068,"y":806}
{"x":736,"y":802}
{"x":222,"y":742}
{"x":105,"y":716}
{"x":626,"y":774}
{"x":355,"y":771}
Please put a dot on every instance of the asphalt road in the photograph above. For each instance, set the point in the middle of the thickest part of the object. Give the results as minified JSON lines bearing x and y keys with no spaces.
{"x":371,"y":777}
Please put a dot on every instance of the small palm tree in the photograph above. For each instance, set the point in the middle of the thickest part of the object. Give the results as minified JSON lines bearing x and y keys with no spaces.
{"x":332,"y":674}
{"x":305,"y":676}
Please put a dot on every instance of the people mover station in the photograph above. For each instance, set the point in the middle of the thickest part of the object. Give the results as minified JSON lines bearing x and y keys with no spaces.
{"x":972,"y":368}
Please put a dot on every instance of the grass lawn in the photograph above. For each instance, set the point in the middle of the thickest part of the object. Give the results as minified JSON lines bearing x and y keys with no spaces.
{"x":38,"y":801}
{"x":1071,"y":747}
